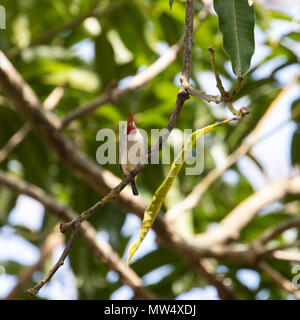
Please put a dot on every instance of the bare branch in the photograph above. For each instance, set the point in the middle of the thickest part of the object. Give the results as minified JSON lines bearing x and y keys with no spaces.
{"x":216,"y":72}
{"x":33,"y":291}
{"x":203,"y":95}
{"x":270,"y":252}
{"x":188,"y":41}
{"x":226,"y":96}
{"x":81,"y":112}
{"x":14,"y":141}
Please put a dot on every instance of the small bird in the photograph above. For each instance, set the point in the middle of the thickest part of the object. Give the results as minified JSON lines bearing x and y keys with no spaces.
{"x":132,"y":150}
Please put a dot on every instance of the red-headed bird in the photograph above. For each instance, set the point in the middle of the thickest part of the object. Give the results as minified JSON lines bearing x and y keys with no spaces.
{"x":132,"y":150}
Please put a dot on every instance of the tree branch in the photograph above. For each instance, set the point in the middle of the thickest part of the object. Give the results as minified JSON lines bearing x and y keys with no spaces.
{"x":14,"y":141}
{"x":216,"y":72}
{"x":188,"y":41}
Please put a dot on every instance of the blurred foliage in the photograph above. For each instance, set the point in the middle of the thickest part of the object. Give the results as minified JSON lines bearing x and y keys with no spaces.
{"x":112,"y":46}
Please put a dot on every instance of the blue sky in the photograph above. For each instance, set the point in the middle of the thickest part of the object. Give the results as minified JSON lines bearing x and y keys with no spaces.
{"x":29,"y":212}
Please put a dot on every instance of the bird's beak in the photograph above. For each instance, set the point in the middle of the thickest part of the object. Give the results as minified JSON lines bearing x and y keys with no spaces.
{"x":130,"y":120}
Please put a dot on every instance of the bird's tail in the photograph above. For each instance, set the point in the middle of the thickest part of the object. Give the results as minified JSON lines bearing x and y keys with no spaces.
{"x":134,"y":188}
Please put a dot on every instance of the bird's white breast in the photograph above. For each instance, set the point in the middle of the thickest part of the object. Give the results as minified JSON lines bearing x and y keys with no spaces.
{"x":132,"y":150}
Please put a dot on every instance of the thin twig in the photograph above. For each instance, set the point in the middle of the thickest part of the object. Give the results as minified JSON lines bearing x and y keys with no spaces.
{"x":33,"y":291}
{"x":188,"y":41}
{"x":213,"y":63}
{"x":14,"y":141}
{"x":84,"y":110}
{"x":238,"y":87}
{"x":203,"y":95}
{"x":226,"y":96}
{"x":192,"y":200}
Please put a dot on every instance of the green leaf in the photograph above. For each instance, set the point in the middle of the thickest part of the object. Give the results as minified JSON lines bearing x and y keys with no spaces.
{"x":294,"y":36}
{"x":161,"y":193}
{"x":236,"y":22}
